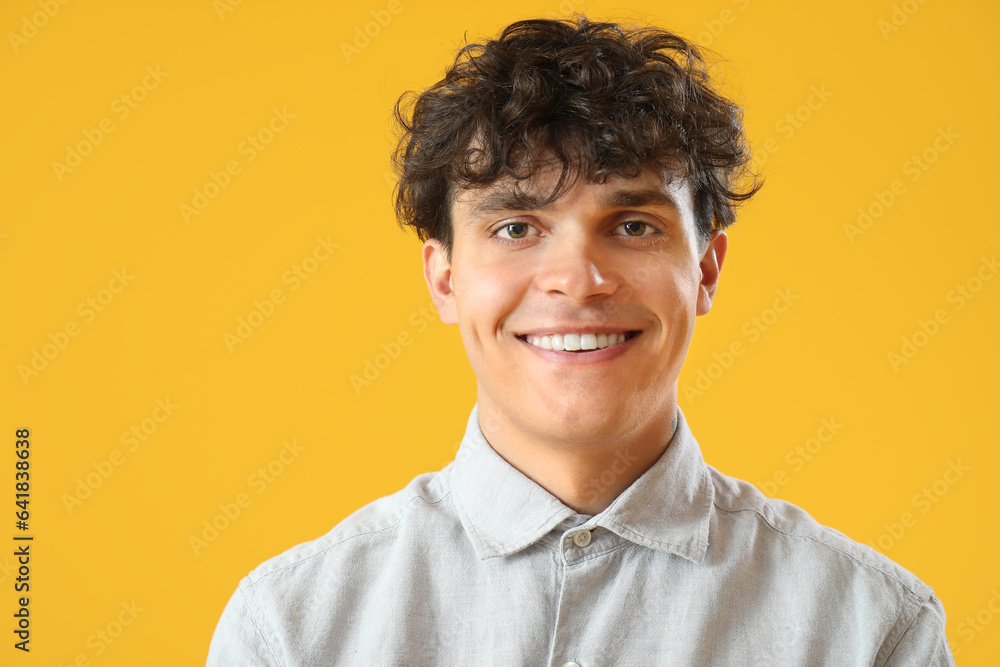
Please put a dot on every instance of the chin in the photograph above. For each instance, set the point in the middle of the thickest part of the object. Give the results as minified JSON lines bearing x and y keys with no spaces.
{"x":585,"y":421}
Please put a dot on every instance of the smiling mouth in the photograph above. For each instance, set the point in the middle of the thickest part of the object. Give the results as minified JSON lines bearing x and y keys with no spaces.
{"x":581,"y":343}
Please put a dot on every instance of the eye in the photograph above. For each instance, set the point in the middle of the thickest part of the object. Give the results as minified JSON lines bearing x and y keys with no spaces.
{"x":636,"y":228}
{"x":514,"y":230}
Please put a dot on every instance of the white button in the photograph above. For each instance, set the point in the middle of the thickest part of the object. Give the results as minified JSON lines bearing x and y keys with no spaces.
{"x":581,"y":539}
{"x":571,"y":664}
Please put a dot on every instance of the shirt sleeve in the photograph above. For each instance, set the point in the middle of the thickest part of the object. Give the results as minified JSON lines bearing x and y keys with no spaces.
{"x":924,"y":642}
{"x":238,"y":638}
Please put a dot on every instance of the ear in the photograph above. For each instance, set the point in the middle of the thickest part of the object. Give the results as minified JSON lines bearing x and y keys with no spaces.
{"x":711,"y":265}
{"x":437,"y":274}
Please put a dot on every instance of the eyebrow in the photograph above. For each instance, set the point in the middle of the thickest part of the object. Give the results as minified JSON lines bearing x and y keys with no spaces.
{"x":499,"y":201}
{"x":648,"y":197}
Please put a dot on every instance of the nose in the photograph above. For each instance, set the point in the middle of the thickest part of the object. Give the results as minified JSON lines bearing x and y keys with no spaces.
{"x":577,"y":267}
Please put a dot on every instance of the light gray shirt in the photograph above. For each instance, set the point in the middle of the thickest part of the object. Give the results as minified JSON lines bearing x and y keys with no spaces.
{"x":478,"y":565}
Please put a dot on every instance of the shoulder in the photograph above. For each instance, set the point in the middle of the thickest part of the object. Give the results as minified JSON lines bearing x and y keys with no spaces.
{"x":327,"y":582}
{"x":796,"y":533}
{"x":377,"y":523}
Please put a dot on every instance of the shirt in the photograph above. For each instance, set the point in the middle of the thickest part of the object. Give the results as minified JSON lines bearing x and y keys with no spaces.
{"x":476,"y":564}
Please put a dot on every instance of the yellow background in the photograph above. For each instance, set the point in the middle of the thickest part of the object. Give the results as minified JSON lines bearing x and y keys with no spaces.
{"x":887,"y":90}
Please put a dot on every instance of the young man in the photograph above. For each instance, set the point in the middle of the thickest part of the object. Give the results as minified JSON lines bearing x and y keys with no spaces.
{"x":571,"y":182}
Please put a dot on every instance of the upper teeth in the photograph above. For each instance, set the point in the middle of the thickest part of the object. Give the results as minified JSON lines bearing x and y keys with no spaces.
{"x":575,"y":341}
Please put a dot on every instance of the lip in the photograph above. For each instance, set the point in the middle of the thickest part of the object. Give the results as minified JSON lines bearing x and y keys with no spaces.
{"x":583,"y":358}
{"x":577,"y":329}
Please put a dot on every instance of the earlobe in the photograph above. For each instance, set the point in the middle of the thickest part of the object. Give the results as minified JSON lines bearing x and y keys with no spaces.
{"x":437,"y":274}
{"x":711,"y":267}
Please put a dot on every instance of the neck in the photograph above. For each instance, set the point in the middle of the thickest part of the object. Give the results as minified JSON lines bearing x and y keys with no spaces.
{"x":585,"y":476}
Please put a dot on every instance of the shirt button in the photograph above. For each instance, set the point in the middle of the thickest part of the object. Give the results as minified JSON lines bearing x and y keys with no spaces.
{"x":581,"y":539}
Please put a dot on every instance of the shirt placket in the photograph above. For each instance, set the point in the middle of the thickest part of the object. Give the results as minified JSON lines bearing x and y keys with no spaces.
{"x":581,"y":568}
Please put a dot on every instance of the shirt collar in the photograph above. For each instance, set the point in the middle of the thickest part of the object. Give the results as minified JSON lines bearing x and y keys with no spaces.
{"x":668,"y":508}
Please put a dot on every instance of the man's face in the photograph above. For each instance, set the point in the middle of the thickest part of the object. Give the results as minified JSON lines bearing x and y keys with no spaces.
{"x":615,"y":265}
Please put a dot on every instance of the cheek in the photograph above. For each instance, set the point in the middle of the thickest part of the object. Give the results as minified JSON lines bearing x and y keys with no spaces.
{"x":675,"y":295}
{"x":486,"y":296}
{"x":676,"y":309}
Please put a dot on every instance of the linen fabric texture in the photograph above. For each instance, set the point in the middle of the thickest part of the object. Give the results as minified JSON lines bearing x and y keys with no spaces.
{"x":476,"y":564}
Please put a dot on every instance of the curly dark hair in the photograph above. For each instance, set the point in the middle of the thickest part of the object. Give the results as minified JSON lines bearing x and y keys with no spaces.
{"x":600,"y":99}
